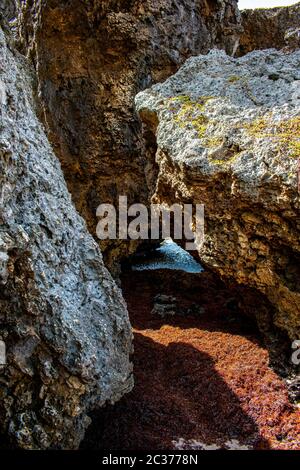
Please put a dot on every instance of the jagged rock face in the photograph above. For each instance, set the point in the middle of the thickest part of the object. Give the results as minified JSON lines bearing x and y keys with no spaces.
{"x":63,"y":319}
{"x":92,"y":58}
{"x":228,"y":137}
{"x":275,"y":27}
{"x":7,"y":10}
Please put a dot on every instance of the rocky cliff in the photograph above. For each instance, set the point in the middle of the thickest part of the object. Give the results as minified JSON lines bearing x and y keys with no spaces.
{"x":91,"y":60}
{"x":275,"y":27}
{"x":222,"y":131}
{"x":62,"y":318}
{"x":228,"y":137}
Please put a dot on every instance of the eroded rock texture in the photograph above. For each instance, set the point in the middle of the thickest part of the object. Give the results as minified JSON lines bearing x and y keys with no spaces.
{"x":228,"y":137}
{"x":91,"y":59}
{"x":8,"y":9}
{"x":274,"y":27}
{"x":63,"y":319}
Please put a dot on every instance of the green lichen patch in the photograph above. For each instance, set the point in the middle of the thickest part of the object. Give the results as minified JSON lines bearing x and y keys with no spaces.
{"x":180,"y":99}
{"x":224,"y":161}
{"x":213,"y":142}
{"x":286,"y":133}
{"x":189,"y":113}
{"x":233,"y":79}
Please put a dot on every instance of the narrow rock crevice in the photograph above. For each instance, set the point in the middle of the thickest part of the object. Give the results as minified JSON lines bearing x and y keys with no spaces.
{"x":213,"y":330}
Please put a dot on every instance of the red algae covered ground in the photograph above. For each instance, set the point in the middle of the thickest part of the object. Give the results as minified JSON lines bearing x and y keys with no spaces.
{"x":202,"y":381}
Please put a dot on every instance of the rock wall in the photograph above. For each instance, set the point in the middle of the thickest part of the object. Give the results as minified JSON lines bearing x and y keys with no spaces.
{"x":8,"y":10}
{"x":228,"y":137}
{"x":91,"y":60}
{"x":62,"y":318}
{"x":275,"y":27}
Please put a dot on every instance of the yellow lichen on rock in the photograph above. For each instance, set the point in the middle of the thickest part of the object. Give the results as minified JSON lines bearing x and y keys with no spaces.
{"x":233,"y":79}
{"x":285,"y":132}
{"x":188,"y":112}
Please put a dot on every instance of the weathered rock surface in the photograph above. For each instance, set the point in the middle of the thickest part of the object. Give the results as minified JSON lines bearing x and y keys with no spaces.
{"x":62,"y":317}
{"x":274,"y":27}
{"x":227,"y":132}
{"x":92,"y":58}
{"x":8,"y":9}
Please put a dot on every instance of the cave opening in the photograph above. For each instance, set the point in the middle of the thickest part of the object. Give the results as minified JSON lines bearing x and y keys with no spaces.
{"x":201,"y":368}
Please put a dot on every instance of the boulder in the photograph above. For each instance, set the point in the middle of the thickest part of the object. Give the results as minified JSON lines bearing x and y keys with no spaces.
{"x":227,"y":134}
{"x":63,"y":322}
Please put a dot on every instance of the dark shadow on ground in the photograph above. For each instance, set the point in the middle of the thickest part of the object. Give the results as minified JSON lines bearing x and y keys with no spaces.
{"x":220,"y":307}
{"x":202,"y":377}
{"x":178,"y":394}
{"x":235,"y":309}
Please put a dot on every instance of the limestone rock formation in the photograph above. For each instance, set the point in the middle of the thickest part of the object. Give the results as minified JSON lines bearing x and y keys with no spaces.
{"x":274,"y":27}
{"x":62,"y":318}
{"x":92,"y":58}
{"x":227,"y":132}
